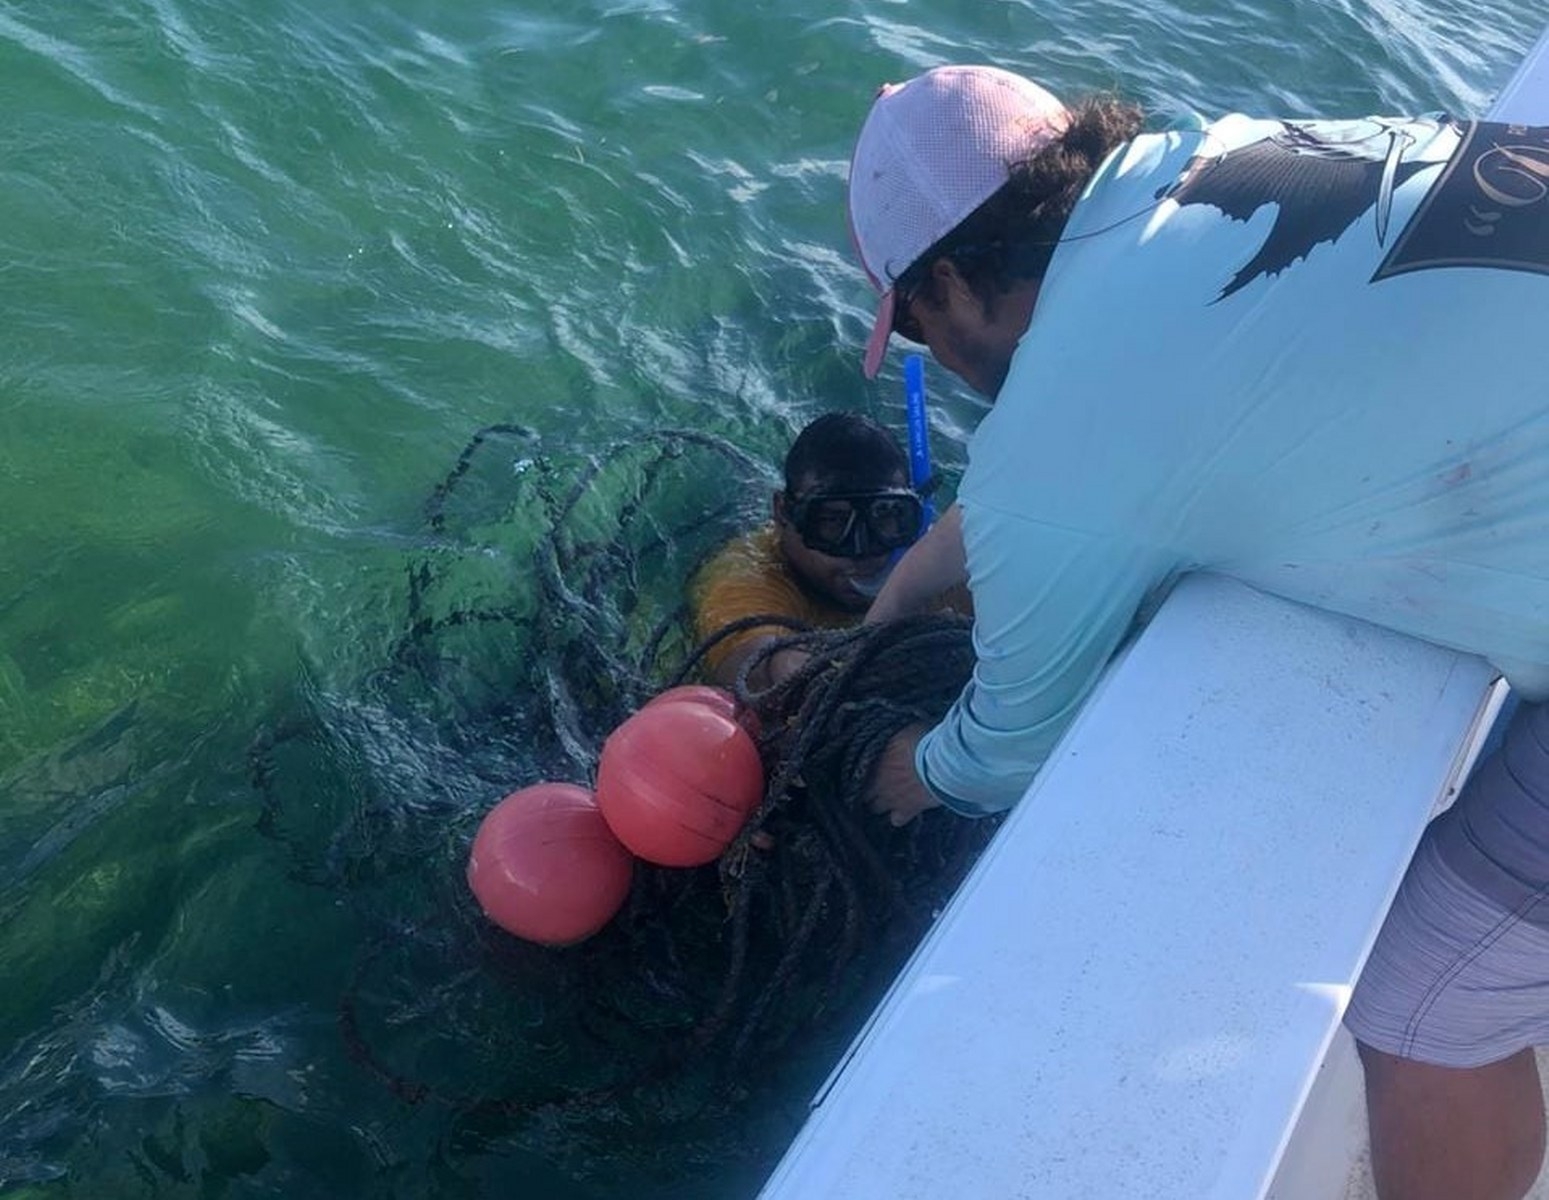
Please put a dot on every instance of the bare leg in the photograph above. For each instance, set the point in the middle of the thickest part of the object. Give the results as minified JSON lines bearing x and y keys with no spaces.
{"x":1444,"y":1133}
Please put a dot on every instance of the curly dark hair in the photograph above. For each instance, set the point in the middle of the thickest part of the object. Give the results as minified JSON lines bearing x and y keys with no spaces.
{"x":845,"y":451}
{"x":1011,"y":236}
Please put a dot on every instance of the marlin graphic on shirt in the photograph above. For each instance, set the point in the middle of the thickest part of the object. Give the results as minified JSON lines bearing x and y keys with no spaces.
{"x":1319,"y":176}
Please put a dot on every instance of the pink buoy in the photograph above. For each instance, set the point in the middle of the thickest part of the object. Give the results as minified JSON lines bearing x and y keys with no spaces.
{"x":546,"y":867}
{"x":677,"y":781}
{"x":700,"y":693}
{"x":714,"y":697}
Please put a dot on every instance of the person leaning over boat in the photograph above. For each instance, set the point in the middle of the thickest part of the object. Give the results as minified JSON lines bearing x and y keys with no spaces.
{"x":846,"y":508}
{"x":1299,"y":353}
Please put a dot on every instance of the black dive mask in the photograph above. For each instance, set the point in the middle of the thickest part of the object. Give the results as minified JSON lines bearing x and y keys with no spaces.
{"x":858,"y":524}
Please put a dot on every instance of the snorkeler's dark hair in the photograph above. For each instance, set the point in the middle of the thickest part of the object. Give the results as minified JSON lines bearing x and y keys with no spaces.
{"x":845,"y":451}
{"x":1012,"y":235}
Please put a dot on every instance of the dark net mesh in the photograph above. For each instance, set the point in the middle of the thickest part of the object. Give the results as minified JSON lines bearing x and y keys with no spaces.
{"x":546,"y":604}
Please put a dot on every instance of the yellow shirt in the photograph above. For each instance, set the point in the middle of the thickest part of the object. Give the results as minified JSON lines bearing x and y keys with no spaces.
{"x":750,"y":577}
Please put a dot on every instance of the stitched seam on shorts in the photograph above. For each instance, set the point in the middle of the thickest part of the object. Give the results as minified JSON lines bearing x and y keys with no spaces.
{"x":1529,"y":733}
{"x":1532,"y":732}
{"x":1514,"y":777}
{"x":1433,"y":993}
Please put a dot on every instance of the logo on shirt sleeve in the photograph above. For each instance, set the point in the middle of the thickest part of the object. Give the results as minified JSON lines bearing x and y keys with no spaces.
{"x":1489,"y":208}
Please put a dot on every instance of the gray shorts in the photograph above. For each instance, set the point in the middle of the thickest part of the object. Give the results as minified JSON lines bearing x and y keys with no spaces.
{"x":1459,"y":976}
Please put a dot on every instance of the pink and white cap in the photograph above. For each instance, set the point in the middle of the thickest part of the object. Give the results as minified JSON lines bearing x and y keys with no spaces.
{"x":931,"y":151}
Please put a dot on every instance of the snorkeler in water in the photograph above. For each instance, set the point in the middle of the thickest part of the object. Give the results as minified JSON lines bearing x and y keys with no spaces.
{"x":844,"y":511}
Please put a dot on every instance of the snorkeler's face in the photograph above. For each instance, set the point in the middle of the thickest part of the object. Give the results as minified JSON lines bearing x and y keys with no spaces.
{"x":857,"y":524}
{"x":849,"y":580}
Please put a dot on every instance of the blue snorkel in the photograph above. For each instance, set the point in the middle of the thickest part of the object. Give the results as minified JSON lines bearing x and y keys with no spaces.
{"x":919,"y":462}
{"x":919,"y":431}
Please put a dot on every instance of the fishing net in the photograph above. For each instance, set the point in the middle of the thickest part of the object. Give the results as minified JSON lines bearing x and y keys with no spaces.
{"x":546,"y":605}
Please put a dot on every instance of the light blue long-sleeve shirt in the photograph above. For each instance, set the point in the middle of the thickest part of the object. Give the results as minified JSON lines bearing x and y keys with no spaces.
{"x":1276,"y":375}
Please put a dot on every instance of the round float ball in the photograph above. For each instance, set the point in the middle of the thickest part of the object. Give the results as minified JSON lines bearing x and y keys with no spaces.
{"x":700,"y":693}
{"x":546,"y":867}
{"x":677,"y":781}
{"x":715,"y":697}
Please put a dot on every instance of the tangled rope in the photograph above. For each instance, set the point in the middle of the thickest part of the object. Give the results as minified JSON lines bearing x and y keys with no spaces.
{"x":825,"y":728}
{"x":705,"y":971}
{"x":597,"y":545}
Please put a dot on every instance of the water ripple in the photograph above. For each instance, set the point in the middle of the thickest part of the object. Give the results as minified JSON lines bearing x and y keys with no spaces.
{"x":71,"y":59}
{"x":266,"y":270}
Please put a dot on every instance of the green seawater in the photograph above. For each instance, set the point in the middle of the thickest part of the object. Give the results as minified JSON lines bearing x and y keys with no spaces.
{"x":265,"y":270}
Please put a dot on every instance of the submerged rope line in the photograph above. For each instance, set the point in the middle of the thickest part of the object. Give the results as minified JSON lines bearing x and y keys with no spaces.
{"x":726,"y":961}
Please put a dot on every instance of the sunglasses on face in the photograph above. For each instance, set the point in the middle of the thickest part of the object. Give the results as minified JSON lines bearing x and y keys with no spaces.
{"x":907,"y":290}
{"x":904,"y":324}
{"x":858,"y":524}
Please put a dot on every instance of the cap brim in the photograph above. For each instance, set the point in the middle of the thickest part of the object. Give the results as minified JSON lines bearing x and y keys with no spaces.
{"x":876,"y":345}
